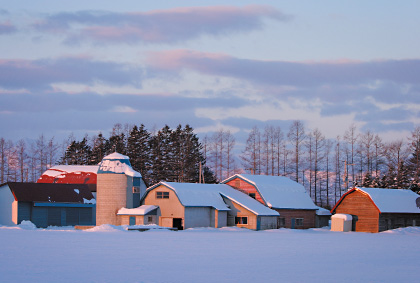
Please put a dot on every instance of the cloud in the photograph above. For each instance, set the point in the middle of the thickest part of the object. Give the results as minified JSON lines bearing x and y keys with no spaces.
{"x":40,"y":74}
{"x":7,"y":28}
{"x":280,"y":73}
{"x":158,"y":26}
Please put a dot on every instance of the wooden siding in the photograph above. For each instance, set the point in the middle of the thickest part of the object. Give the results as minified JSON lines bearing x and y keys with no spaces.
{"x":359,"y":204}
{"x":245,"y":187}
{"x":169,"y":208}
{"x":307,"y":215}
{"x":111,"y":196}
{"x":238,"y":211}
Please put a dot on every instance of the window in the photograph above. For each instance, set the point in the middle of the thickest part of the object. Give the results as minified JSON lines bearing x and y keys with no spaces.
{"x":252,"y":195}
{"x":241,"y":220}
{"x":149,"y":219}
{"x":136,"y":190}
{"x":299,"y":221}
{"x":162,"y":194}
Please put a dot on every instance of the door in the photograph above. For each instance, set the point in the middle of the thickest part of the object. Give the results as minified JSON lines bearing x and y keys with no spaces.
{"x":293,"y":223}
{"x":177,"y":223}
{"x":132,"y":220}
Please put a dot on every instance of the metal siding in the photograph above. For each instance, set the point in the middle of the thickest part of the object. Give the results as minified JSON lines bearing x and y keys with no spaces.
{"x":136,"y":181}
{"x":24,"y":211}
{"x":222,"y":219}
{"x":39,"y":216}
{"x":267,"y":222}
{"x":54,"y":216}
{"x":85,"y":216}
{"x":136,"y":200}
{"x":72,"y":216}
{"x":197,"y":217}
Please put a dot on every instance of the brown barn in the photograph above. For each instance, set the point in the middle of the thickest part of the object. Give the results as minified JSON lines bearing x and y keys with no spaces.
{"x":375,"y":210}
{"x":289,"y":198}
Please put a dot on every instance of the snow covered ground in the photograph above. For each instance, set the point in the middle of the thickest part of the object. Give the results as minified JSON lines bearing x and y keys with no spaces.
{"x":112,"y":254}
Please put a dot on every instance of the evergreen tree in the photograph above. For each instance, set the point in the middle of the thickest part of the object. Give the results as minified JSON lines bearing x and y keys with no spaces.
{"x":138,"y":150}
{"x":98,"y":150}
{"x":367,"y":181}
{"x":77,"y":153}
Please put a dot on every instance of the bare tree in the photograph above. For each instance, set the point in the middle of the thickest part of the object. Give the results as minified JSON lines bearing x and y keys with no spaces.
{"x":351,"y":136}
{"x":296,"y":137}
{"x":319,"y":145}
{"x":251,"y":155}
{"x":22,"y":159}
{"x":2,"y":160}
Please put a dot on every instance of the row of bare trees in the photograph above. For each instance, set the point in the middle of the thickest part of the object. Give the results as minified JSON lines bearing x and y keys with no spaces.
{"x":25,"y":161}
{"x":326,"y":167}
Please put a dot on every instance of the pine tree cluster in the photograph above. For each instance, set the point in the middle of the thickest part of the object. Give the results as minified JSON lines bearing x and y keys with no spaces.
{"x":167,"y":155}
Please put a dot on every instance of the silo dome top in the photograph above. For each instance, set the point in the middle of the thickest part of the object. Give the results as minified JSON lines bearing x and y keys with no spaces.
{"x":116,"y":155}
{"x":117,"y":164}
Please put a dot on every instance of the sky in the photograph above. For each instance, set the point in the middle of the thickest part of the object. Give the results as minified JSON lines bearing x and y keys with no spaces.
{"x":80,"y":67}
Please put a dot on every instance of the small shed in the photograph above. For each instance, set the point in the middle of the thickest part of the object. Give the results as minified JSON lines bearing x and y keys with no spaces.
{"x":341,"y":222}
{"x":375,"y":209}
{"x":50,"y":204}
{"x":142,"y":215}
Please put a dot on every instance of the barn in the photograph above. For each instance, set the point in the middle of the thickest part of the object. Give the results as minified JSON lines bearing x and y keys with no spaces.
{"x":47,"y":204}
{"x":188,"y":205}
{"x":375,"y":210}
{"x":289,"y":198}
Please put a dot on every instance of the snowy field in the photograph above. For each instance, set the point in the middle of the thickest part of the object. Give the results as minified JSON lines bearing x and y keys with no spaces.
{"x":110,"y":254}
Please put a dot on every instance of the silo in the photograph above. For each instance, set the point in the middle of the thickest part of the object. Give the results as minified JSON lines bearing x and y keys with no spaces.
{"x":117,"y":187}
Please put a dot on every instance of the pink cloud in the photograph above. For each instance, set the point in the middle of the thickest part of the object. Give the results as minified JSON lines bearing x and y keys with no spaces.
{"x":159,"y":26}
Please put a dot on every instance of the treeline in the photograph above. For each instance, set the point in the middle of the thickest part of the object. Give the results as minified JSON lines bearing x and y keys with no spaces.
{"x":166,"y":155}
{"x":326,"y":167}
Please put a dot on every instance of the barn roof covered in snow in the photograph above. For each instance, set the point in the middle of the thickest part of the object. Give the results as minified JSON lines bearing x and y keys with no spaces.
{"x":117,"y":164}
{"x":278,"y":191}
{"x":211,"y":195}
{"x":44,"y":192}
{"x":389,"y":200}
{"x":70,"y":174}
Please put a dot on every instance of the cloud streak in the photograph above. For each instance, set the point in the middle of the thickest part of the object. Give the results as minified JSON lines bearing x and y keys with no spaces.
{"x":158,"y":26}
{"x":41,"y":73}
{"x":290,"y":73}
{"x":7,"y":28}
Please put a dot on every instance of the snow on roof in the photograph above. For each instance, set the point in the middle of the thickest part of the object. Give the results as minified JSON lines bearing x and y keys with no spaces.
{"x":118,"y":164}
{"x":191,"y":194}
{"x":393,"y":200}
{"x":279,"y":191}
{"x":141,"y":210}
{"x":60,"y":169}
{"x":322,"y":211}
{"x":345,"y":217}
{"x":247,"y":202}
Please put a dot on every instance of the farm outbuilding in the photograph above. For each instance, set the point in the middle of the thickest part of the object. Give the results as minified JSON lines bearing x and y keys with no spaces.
{"x":375,"y":210}
{"x":142,"y":215}
{"x":47,"y":204}
{"x":287,"y":197}
{"x":188,"y":205}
